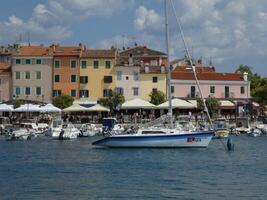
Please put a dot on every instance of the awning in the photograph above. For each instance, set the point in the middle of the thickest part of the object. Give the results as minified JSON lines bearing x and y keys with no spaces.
{"x":177,"y":103}
{"x":226,"y":104}
{"x":28,"y":108}
{"x":98,"y":108}
{"x":6,"y":108}
{"x":49,"y":108}
{"x":137,"y":104}
{"x":75,"y":108}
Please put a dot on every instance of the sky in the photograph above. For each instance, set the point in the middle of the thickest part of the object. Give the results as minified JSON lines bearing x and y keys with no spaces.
{"x":226,"y":32}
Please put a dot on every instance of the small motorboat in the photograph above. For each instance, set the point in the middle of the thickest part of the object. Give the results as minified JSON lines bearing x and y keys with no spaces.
{"x":221,"y":128}
{"x":111,"y":127}
{"x":254,"y":132}
{"x":87,"y":130}
{"x":20,"y":134}
{"x":66,"y":132}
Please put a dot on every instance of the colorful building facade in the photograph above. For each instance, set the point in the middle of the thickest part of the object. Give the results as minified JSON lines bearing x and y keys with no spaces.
{"x":32,"y":73}
{"x":97,"y":73}
{"x":5,"y":82}
{"x":66,"y":70}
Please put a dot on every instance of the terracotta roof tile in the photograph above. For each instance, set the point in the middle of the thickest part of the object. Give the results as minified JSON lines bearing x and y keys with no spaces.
{"x":66,"y":50}
{"x":207,"y":76}
{"x":99,"y":53}
{"x":33,"y":51}
{"x":5,"y":67}
{"x":199,"y":69}
{"x":141,"y":51}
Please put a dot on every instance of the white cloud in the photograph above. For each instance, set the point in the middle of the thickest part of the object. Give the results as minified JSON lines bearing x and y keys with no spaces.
{"x":52,"y":21}
{"x":147,"y":19}
{"x":231,"y":32}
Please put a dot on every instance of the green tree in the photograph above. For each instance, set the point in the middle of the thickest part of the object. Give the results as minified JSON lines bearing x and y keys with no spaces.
{"x":157,"y":97}
{"x":113,"y":101}
{"x":212,"y":103}
{"x":17,"y":103}
{"x":63,"y":101}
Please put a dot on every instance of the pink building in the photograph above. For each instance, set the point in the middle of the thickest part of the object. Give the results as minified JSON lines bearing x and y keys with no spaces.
{"x":213,"y":84}
{"x":5,"y":82}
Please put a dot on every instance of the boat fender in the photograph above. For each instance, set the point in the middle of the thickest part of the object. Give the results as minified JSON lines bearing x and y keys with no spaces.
{"x":230,"y":144}
{"x":61,"y":134}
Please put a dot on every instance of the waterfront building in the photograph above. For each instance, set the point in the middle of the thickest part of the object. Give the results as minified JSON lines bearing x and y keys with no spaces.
{"x":139,"y":71}
{"x":5,"y":82}
{"x":234,"y":86}
{"x":66,"y":70}
{"x":97,"y":73}
{"x":32,"y":73}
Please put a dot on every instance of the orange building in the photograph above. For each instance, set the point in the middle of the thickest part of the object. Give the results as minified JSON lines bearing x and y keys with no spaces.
{"x":66,"y":70}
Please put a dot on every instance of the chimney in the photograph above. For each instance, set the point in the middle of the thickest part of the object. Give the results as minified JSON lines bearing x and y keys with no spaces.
{"x":162,"y":69}
{"x":146,"y":68}
{"x":145,"y":50}
{"x":245,"y":76}
{"x":130,"y":59}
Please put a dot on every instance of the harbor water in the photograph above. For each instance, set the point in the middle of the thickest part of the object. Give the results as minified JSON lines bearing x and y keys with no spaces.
{"x":50,"y":169}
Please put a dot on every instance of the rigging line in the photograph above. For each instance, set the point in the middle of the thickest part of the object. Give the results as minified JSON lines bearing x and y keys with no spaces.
{"x":191,"y":63}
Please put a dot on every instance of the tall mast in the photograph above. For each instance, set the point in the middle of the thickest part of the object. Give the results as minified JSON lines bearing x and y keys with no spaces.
{"x":168,"y":65}
{"x":192,"y":65}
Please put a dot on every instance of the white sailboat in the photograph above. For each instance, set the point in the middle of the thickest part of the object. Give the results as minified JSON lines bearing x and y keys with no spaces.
{"x":160,"y":137}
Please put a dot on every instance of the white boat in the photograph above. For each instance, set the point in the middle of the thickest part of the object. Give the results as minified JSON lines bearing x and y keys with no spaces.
{"x":87,"y":130}
{"x":254,"y":132}
{"x":20,"y":134}
{"x":160,"y":137}
{"x":65,"y":132}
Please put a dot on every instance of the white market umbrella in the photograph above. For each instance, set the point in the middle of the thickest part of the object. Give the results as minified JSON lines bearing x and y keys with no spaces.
{"x":28,"y":108}
{"x":137,"y":104}
{"x":177,"y":103}
{"x":6,"y":108}
{"x":49,"y":108}
{"x":98,"y":108}
{"x":75,"y":108}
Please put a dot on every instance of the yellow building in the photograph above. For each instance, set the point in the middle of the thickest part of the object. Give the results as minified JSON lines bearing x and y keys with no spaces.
{"x":152,"y":78}
{"x":97,"y":73}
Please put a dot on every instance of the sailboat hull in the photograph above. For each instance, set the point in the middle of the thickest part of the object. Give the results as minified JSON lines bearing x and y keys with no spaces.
{"x":190,"y":140}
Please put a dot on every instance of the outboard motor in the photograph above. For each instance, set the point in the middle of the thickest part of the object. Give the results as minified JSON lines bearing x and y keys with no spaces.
{"x":61,"y":135}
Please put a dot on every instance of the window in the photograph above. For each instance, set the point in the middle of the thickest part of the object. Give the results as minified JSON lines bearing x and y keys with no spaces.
{"x":118,"y":74}
{"x":38,"y":91}
{"x":127,"y":77}
{"x":84,"y":93}
{"x":172,"y":89}
{"x":17,"y":75}
{"x":56,"y":63}
{"x":135,"y":91}
{"x":154,"y":79}
{"x":73,"y":78}
{"x":154,"y":63}
{"x":83,"y":64}
{"x":107,"y":64}
{"x":18,"y":61}
{"x":107,"y":93}
{"x":27,"y":91}
{"x":119,"y":90}
{"x":212,"y":89}
{"x":136,"y":76}
{"x":242,"y":90}
{"x":28,"y":61}
{"x":27,"y":75}
{"x":154,"y":90}
{"x":38,"y":61}
{"x":17,"y":91}
{"x":193,"y":92}
{"x":83,"y":79}
{"x":226,"y":92}
{"x":96,"y":64}
{"x":107,"y":79}
{"x":38,"y":75}
{"x":73,"y":93}
{"x":57,"y":78}
{"x":56,"y":93}
{"x":73,"y":64}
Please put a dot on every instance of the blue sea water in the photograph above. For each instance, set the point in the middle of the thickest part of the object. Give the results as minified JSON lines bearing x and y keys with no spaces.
{"x":49,"y":169}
